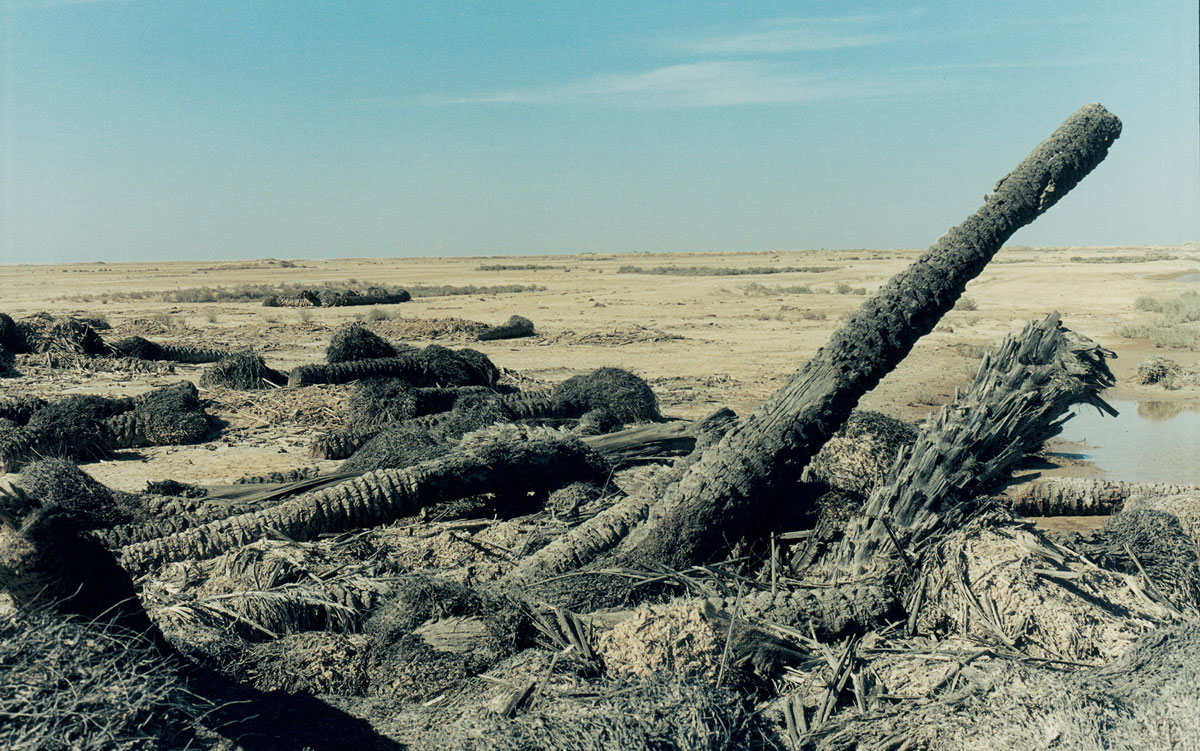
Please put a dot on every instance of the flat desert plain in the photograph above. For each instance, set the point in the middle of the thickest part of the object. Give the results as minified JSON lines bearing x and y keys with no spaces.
{"x":706,"y":330}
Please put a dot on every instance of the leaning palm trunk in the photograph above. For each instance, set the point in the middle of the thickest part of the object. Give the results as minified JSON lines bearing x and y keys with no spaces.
{"x":716,"y":500}
{"x":1020,"y":398}
{"x":383,"y":496}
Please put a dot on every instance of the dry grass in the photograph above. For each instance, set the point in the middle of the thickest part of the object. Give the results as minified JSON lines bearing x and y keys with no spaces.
{"x":74,"y":684}
{"x":1176,"y":323}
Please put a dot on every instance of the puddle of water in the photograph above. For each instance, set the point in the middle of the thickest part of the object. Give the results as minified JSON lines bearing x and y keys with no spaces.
{"x":1148,"y":442}
{"x":1191,"y":277}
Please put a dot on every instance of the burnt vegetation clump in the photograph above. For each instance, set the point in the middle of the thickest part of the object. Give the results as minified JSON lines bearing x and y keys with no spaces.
{"x":354,"y":341}
{"x":514,"y":328}
{"x":243,"y":371}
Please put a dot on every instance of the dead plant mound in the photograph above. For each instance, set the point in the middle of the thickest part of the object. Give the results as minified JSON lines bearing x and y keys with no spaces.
{"x":59,"y":483}
{"x":42,"y":332}
{"x":432,"y":366}
{"x":598,"y":422}
{"x":353,"y":341}
{"x":73,"y":428}
{"x":1156,"y":369}
{"x":1183,"y":506}
{"x":20,"y":408}
{"x":408,"y":442}
{"x":514,"y":328}
{"x":1145,"y":699}
{"x":136,"y":346}
{"x":378,"y":401}
{"x":627,"y":396}
{"x":242,"y":370}
{"x":417,"y":598}
{"x":1152,"y":543}
{"x":858,"y":456}
{"x":998,"y":578}
{"x":436,"y":633}
{"x":173,"y":415}
{"x":401,"y":445}
{"x":9,"y":335}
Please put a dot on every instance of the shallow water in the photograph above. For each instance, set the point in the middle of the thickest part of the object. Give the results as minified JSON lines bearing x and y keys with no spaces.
{"x":1149,"y":441}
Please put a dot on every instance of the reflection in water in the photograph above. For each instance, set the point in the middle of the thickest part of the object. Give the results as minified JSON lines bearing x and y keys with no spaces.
{"x":1155,"y":411}
{"x":1147,"y":442}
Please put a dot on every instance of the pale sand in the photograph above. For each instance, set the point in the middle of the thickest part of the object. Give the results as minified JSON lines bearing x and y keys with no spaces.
{"x":702,"y":341}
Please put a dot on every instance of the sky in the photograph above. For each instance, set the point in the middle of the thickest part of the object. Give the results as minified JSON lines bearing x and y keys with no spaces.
{"x":181,"y":129}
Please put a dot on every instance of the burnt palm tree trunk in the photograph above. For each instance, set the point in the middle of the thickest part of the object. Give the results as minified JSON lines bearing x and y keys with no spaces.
{"x":716,"y":500}
{"x":383,"y":496}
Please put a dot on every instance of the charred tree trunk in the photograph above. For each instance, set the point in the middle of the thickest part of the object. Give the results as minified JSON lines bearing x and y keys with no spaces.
{"x":379,"y":497}
{"x":716,"y":500}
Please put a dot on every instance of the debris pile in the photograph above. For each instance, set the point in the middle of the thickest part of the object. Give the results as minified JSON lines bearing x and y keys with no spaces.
{"x":85,"y":428}
{"x":501,"y":569}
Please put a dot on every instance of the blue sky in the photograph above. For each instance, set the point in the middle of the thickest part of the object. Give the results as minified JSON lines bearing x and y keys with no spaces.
{"x":178,"y":129}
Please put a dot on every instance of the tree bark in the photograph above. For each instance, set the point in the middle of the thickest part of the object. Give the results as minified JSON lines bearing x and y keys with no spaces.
{"x":716,"y":501}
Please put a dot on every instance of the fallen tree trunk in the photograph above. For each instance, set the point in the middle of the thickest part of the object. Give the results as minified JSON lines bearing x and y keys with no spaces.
{"x":383,"y":496}
{"x":144,"y":349}
{"x":1074,"y":496}
{"x":716,"y":501}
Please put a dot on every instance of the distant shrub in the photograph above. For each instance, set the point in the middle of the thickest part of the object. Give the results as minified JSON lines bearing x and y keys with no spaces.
{"x":1182,"y":309}
{"x":1173,"y":325}
{"x":757,"y":288}
{"x":445,"y":290}
{"x":1144,"y":258}
{"x":842,"y":288}
{"x":1174,"y":337}
{"x":518,"y":267}
{"x":966,"y":303}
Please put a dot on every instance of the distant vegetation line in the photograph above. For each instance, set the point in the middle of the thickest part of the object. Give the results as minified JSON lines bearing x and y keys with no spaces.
{"x":1142,"y":258}
{"x":722,"y":270}
{"x":520,"y":267}
{"x":259,"y":292}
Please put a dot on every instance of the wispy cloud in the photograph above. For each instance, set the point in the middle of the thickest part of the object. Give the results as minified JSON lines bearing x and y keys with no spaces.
{"x":787,"y":35}
{"x":39,"y":4}
{"x":702,"y":84}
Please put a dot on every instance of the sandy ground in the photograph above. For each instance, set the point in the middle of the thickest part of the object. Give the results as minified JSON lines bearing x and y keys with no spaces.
{"x":701,"y":341}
